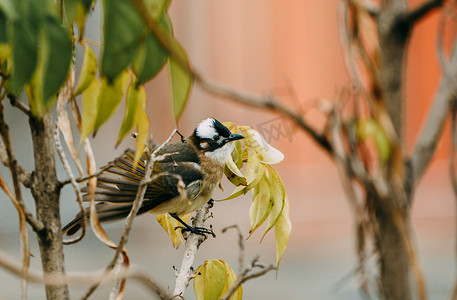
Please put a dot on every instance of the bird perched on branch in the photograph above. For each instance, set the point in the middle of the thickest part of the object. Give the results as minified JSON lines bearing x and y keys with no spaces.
{"x":184,"y":177}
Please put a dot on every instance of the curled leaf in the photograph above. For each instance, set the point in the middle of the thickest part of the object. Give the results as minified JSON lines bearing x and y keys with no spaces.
{"x":283,"y":228}
{"x":169,"y":224}
{"x":213,"y":279}
{"x":267,"y":153}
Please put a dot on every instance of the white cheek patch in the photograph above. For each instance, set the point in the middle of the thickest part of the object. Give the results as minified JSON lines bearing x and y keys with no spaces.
{"x":222,"y":154}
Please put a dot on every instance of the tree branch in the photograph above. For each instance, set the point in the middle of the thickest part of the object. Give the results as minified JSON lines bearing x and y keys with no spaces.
{"x":80,"y":278}
{"x":18,"y":174}
{"x":268,"y":102}
{"x":422,"y":10}
{"x":433,"y":128}
{"x":193,"y":242}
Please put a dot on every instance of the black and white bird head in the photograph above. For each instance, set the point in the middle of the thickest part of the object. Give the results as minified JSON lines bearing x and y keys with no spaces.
{"x":213,"y":139}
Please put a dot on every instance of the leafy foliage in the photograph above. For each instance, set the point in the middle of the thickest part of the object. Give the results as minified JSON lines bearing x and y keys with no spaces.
{"x":36,"y":51}
{"x":269,"y":199}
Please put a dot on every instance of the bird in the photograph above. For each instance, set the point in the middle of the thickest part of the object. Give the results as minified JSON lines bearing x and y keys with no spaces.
{"x":184,"y":177}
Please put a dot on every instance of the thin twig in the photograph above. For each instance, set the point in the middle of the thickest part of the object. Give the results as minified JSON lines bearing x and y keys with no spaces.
{"x":433,"y":127}
{"x":24,"y":177}
{"x":422,"y":10}
{"x":241,"y":256}
{"x":13,"y":167}
{"x":20,"y":105}
{"x":87,"y":177}
{"x":133,"y":212}
{"x":80,"y":278}
{"x":452,"y":171}
{"x":268,"y":102}
{"x":74,"y":184}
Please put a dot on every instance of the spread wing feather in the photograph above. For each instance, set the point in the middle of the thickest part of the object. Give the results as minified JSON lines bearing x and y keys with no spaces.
{"x":117,"y":186}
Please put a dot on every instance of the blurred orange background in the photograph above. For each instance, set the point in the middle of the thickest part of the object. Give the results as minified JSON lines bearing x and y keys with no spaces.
{"x":293,"y":50}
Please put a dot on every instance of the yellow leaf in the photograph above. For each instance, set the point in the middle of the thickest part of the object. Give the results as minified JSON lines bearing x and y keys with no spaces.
{"x":90,"y":108}
{"x":142,"y":128}
{"x":261,"y":205}
{"x":230,"y":279}
{"x":283,"y":229}
{"x":232,"y":167}
{"x":372,"y":129}
{"x":254,"y":170}
{"x":88,"y":71}
{"x":110,"y":97}
{"x":136,"y":98}
{"x":235,"y":179}
{"x":239,"y":190}
{"x":169,"y":224}
{"x":277,"y":197}
{"x":267,"y":153}
{"x":181,"y":83}
{"x":210,"y":280}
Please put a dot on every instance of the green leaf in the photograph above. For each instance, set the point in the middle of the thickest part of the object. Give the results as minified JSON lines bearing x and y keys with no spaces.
{"x":88,"y":70}
{"x":181,"y":82}
{"x":151,"y":56}
{"x":132,"y":102}
{"x":142,"y":127}
{"x":90,"y":108}
{"x":123,"y":28}
{"x":110,"y":97}
{"x":209,"y":281}
{"x":283,"y":228}
{"x":169,"y":224}
{"x":372,"y":129}
{"x":58,"y":58}
{"x":25,"y":52}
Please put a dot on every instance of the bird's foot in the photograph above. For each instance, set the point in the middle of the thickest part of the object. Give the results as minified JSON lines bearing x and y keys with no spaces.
{"x":197,"y":230}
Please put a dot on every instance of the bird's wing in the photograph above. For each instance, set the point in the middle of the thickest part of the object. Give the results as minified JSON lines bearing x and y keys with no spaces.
{"x":171,"y":173}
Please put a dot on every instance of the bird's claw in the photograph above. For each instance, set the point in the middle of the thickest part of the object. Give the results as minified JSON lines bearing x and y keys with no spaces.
{"x":197,"y":230}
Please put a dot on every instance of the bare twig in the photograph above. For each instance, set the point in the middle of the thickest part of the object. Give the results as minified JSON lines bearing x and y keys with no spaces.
{"x":241,"y":256}
{"x":87,"y":177}
{"x":452,"y":170}
{"x":24,"y":177}
{"x":268,"y":102}
{"x":20,"y":105}
{"x":80,"y":278}
{"x":192,"y":244}
{"x":15,"y":170}
{"x":24,"y":238}
{"x":431,"y":132}
{"x":74,"y":184}
{"x":134,"y":211}
{"x":422,"y":10}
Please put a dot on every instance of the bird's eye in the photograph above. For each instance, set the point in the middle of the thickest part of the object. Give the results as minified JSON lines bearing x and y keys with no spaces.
{"x":215,"y":138}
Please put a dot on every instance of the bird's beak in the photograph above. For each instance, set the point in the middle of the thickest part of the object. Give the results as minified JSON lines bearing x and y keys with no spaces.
{"x":234,"y":137}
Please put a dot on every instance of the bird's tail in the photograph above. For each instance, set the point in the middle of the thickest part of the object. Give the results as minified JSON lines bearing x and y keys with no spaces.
{"x":106,"y":212}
